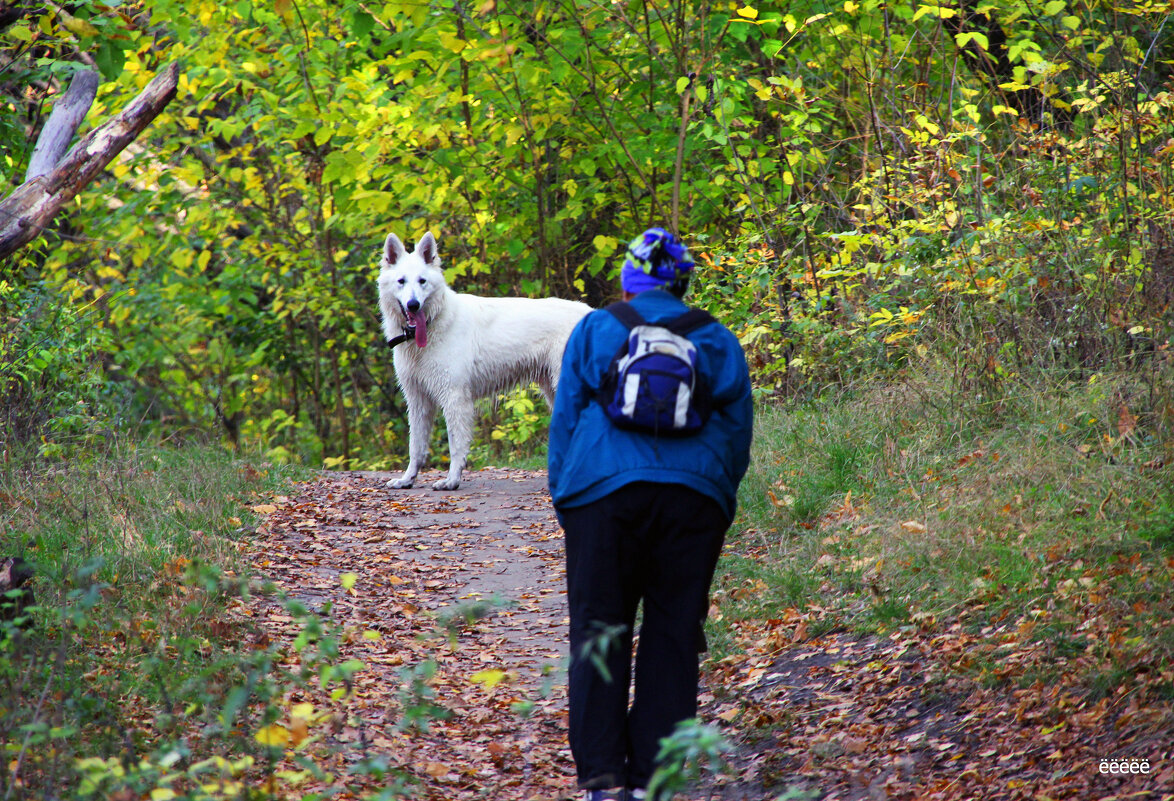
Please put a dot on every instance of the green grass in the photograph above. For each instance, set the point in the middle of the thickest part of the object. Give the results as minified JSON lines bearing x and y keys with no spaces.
{"x":134,"y":551}
{"x":132,"y":511}
{"x":910,"y":502}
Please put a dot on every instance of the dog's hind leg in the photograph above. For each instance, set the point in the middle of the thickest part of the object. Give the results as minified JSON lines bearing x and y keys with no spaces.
{"x":459,"y":416}
{"x":421,"y":411}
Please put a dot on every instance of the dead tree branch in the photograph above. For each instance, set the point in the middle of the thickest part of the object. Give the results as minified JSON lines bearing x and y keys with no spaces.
{"x":34,"y":204}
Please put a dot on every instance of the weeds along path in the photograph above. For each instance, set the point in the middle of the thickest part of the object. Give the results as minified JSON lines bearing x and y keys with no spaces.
{"x":457,"y":611}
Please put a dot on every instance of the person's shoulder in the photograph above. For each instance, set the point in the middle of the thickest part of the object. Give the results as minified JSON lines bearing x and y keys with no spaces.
{"x":595,"y":324}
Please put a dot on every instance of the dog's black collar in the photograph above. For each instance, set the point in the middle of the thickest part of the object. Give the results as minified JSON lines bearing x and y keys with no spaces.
{"x":409,"y":333}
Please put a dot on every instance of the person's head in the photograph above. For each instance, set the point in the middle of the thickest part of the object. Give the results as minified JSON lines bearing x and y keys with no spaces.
{"x":656,"y":260}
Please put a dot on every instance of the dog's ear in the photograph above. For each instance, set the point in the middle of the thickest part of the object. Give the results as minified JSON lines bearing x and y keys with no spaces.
{"x":393,"y":250}
{"x":427,"y":248}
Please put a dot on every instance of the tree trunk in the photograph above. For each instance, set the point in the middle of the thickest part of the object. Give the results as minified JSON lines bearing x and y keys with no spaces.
{"x":68,"y":113}
{"x":34,"y":204}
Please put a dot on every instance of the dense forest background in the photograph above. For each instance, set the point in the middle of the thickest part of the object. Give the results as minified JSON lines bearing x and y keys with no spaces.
{"x":981,"y":186}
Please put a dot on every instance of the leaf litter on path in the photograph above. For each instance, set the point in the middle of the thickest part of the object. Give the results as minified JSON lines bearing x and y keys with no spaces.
{"x":849,"y":717}
{"x":468,"y":583}
{"x":472,"y":583}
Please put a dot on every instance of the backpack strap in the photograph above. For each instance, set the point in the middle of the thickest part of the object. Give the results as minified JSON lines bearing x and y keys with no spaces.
{"x":624,"y":312}
{"x":690,"y":320}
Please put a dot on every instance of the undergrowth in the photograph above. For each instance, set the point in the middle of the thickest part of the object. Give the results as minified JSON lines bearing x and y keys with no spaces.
{"x":132,"y":675}
{"x":1046,"y":511}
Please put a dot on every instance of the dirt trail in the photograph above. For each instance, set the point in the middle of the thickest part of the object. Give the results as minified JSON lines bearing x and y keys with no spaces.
{"x":839,"y":717}
{"x":486,"y":558}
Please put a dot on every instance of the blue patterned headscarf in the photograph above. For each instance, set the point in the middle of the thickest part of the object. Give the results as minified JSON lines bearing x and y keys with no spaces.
{"x":655,"y":259}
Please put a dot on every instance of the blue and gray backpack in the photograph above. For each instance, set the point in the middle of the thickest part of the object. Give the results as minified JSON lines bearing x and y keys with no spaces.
{"x":652,"y":384}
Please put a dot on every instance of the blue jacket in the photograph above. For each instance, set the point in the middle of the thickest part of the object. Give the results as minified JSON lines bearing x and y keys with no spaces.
{"x":589,"y":456}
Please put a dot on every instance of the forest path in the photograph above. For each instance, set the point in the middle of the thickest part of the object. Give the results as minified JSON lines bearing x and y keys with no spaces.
{"x":465,"y":592}
{"x":458,"y":613}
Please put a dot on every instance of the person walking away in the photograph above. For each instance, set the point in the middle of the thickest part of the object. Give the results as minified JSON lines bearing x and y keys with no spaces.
{"x":644,"y":505}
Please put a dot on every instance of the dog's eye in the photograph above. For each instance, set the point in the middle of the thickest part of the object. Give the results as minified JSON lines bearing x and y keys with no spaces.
{"x":422,"y":282}
{"x":401,"y":282}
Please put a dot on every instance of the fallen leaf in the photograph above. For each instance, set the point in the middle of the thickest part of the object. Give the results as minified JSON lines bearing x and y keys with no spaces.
{"x":489,"y":678}
{"x":274,"y":734}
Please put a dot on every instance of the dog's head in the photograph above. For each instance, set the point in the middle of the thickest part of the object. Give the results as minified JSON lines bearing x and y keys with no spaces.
{"x":409,"y":284}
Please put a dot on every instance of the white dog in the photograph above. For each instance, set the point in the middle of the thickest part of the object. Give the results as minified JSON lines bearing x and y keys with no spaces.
{"x":450,"y":349}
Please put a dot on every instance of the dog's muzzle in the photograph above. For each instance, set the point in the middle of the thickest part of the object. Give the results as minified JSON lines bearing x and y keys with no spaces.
{"x":415,"y":324}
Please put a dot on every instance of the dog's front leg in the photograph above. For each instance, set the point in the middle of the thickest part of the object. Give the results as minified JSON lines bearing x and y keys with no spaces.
{"x":421,"y":411}
{"x":459,"y":416}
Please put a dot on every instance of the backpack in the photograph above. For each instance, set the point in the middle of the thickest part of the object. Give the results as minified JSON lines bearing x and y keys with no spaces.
{"x":652,"y":383}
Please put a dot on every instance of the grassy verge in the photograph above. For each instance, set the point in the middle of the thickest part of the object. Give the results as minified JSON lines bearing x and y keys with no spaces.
{"x":1048,"y":512}
{"x":133,"y":680}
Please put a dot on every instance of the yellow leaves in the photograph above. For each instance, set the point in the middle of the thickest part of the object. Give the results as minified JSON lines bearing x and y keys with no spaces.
{"x":301,"y":717}
{"x":450,"y":42}
{"x":348,"y":581}
{"x":754,"y":333}
{"x":926,"y":124}
{"x":489,"y":678}
{"x":605,"y":245}
{"x":792,"y":25}
{"x":264,"y":508}
{"x":761,"y":91}
{"x":78,"y":27}
{"x":941,"y":12}
{"x":182,"y":258}
{"x":913,"y":527}
{"x":274,"y":735}
{"x":980,"y":39}
{"x":253,"y":68}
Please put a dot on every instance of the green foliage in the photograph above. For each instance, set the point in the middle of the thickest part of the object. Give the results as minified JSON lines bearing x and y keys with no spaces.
{"x":53,"y":388}
{"x":515,"y":429}
{"x":992,"y":189}
{"x":693,"y":747}
{"x":136,"y":678}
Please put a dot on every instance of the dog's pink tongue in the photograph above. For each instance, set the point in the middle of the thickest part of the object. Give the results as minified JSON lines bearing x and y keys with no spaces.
{"x":417,"y":321}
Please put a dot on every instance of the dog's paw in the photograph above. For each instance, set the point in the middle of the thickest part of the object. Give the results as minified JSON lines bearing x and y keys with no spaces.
{"x":400,"y":483}
{"x":446,"y":484}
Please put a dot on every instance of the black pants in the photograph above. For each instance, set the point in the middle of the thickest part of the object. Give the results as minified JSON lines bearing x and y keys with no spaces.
{"x":653,"y":542}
